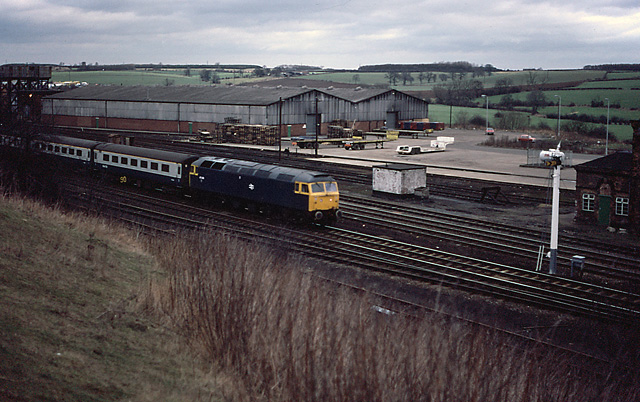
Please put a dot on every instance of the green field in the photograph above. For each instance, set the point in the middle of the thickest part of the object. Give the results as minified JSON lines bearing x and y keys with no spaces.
{"x":446,"y":114}
{"x":627,"y":98}
{"x":142,"y":77}
{"x":516,"y":77}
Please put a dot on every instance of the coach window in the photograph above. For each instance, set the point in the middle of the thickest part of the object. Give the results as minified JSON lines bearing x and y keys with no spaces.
{"x":57,"y":149}
{"x":72,"y":151}
{"x":105,"y":157}
{"x":114,"y":159}
{"x":154,"y":165}
{"x":134,"y":162}
{"x":165,"y":168}
{"x":144,"y":164}
{"x":79,"y":152}
{"x":124,"y":161}
{"x":49,"y":147}
{"x":64,"y":150}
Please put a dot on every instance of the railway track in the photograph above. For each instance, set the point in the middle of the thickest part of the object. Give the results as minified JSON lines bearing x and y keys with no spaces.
{"x":369,"y":252}
{"x":614,"y":262}
{"x":608,"y":261}
{"x":466,"y":189}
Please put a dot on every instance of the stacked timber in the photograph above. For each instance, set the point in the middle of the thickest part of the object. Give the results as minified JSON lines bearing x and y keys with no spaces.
{"x":251,"y":134}
{"x":342,"y":132}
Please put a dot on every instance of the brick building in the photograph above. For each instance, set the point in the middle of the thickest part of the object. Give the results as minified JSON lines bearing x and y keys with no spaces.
{"x":607,"y":188}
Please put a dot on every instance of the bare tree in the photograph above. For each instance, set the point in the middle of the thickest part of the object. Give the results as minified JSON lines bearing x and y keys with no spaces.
{"x":393,"y":77}
{"x":406,"y":77}
{"x":536,"y":99}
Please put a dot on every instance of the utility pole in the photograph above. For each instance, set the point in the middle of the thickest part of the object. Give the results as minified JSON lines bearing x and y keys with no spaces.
{"x":317,"y":128}
{"x":280,"y":129}
{"x":606,"y":144}
{"x":486,"y":120}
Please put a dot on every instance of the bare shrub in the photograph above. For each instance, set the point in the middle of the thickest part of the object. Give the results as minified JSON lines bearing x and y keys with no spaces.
{"x":274,"y":332}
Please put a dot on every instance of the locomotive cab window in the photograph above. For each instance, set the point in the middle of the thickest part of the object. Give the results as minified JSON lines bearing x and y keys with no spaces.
{"x":317,"y":188}
{"x":332,"y":187}
{"x":304,"y":188}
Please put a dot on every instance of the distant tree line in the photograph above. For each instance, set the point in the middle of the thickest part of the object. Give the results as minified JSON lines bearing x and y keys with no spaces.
{"x":106,"y":67}
{"x":613,"y":67}
{"x":123,"y":67}
{"x":447,"y":67}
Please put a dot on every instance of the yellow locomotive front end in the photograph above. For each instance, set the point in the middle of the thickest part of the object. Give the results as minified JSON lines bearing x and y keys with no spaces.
{"x":324,"y":200}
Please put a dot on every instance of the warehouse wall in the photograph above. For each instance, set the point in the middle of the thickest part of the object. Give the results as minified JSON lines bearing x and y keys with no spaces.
{"x":368,"y":114}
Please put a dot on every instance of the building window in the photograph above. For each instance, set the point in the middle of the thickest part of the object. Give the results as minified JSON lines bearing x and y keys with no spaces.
{"x":588,"y":202}
{"x":622,"y":206}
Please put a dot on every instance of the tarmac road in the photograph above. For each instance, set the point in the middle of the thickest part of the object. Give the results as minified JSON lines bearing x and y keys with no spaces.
{"x":465,"y":157}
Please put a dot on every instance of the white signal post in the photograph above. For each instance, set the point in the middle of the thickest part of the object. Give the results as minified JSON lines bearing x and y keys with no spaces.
{"x":554,"y":158}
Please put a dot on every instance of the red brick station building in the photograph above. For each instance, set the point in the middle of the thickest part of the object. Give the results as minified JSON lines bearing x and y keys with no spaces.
{"x":608,"y":188}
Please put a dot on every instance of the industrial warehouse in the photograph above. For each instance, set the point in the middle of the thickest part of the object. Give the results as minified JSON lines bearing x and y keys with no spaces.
{"x":296,"y":111}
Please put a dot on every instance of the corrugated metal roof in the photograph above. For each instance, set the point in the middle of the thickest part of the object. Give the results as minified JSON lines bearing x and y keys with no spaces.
{"x":355,"y":94}
{"x":227,"y":95}
{"x":222,"y":95}
{"x":617,"y":162}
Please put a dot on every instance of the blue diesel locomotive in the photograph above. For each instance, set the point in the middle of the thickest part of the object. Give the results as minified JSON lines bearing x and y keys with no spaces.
{"x":313,"y":195}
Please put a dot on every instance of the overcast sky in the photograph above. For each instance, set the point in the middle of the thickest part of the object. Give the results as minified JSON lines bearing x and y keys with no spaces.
{"x":510,"y":34}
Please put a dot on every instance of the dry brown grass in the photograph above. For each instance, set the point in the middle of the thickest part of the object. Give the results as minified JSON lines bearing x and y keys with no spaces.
{"x":276,"y":333}
{"x":89,"y":312}
{"x":69,"y":328}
